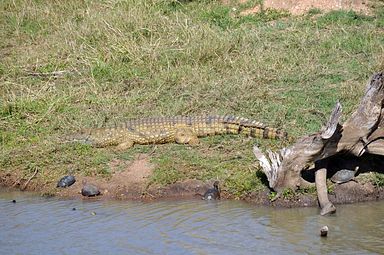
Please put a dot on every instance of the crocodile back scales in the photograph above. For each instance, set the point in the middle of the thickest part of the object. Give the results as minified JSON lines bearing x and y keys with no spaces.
{"x":165,"y":129}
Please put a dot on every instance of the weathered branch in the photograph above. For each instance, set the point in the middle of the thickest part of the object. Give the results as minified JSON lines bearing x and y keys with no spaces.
{"x":270,"y":164}
{"x":375,"y":143}
{"x":365,"y":119}
{"x":49,"y":74}
{"x":331,"y":126}
{"x":376,"y":147}
{"x":321,"y":186}
{"x":30,"y":178}
{"x":362,"y":133}
{"x":285,"y":167}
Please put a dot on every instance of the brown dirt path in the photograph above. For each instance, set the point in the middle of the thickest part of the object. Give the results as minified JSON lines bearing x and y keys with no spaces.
{"x":298,"y":7}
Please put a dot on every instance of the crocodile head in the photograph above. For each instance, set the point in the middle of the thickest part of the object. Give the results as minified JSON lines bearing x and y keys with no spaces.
{"x":83,"y":136}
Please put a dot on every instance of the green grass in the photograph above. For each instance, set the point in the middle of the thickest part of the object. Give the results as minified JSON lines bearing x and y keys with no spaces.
{"x":128,"y":59}
{"x":378,"y":179}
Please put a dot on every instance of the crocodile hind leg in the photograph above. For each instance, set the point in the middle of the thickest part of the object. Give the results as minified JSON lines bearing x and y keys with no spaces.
{"x":124,"y":145}
{"x":186,"y":136}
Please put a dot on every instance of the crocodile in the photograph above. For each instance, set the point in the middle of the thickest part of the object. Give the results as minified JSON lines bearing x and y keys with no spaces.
{"x":179,"y":129}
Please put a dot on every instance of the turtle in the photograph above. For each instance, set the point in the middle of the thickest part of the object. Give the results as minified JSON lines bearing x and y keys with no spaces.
{"x":213,"y":193}
{"x":66,"y":181}
{"x":89,"y":190}
{"x":343,"y":176}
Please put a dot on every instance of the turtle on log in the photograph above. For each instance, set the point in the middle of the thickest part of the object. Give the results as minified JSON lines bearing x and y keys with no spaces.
{"x":343,"y":176}
{"x":213,"y":193}
{"x":66,"y":181}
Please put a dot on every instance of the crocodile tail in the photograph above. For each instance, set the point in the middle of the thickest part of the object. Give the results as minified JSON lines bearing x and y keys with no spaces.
{"x":274,"y":133}
{"x":254,"y":128}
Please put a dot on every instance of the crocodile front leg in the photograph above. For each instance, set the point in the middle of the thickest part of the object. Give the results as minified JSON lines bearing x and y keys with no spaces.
{"x":186,"y":136}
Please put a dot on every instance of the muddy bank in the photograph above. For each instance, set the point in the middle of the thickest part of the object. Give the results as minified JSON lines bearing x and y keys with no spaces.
{"x":346,"y":193}
{"x":133,"y":184}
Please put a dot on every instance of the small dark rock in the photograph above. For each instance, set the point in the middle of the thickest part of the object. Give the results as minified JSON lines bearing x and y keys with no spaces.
{"x":324,"y":231}
{"x":213,"y":193}
{"x":73,"y":209}
{"x":14,"y":201}
{"x":90,"y":190}
{"x":66,"y":181}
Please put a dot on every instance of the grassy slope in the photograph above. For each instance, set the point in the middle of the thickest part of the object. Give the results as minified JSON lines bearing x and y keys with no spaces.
{"x":162,"y":57}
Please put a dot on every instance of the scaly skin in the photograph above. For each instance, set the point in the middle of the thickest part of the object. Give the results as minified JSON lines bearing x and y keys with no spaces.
{"x":184,"y":130}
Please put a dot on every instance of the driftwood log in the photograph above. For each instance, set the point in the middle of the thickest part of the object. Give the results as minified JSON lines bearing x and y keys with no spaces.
{"x":359,"y":138}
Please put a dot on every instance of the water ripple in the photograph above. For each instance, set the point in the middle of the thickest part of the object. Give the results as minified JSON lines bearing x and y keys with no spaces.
{"x":34,"y":225}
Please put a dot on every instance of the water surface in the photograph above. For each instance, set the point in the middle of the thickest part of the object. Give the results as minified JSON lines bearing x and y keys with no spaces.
{"x":36,"y":225}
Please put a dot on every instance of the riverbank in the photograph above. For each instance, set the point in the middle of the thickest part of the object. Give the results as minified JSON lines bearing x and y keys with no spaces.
{"x":134,"y":183}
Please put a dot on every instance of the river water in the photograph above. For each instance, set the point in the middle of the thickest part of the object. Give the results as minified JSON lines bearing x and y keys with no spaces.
{"x":36,"y":225}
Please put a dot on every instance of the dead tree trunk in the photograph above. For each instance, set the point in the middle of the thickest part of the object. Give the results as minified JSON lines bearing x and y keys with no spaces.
{"x":321,"y":186}
{"x":362,"y":133}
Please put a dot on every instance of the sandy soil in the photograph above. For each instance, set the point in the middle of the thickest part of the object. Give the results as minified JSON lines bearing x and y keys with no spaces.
{"x":298,"y":7}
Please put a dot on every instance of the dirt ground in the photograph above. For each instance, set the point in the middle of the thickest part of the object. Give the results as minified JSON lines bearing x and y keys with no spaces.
{"x":130,"y":181}
{"x":298,"y":7}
